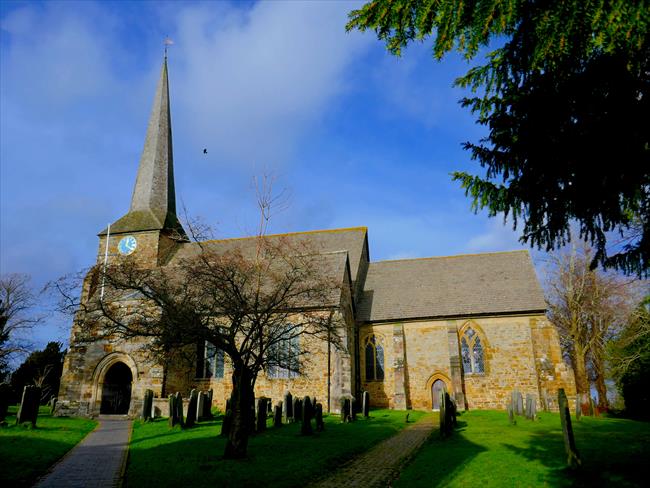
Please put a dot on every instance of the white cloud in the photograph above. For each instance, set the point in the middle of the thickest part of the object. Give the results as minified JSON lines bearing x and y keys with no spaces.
{"x":497,"y":236}
{"x":254,"y":81}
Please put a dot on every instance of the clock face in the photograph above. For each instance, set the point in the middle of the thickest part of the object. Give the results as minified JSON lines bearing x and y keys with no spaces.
{"x":127,"y":245}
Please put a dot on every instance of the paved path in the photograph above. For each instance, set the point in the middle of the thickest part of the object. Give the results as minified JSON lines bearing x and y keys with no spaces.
{"x":381,"y":464}
{"x":96,"y":462}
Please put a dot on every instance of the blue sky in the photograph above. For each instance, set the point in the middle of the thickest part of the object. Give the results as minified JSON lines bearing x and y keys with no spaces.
{"x":358,"y":137}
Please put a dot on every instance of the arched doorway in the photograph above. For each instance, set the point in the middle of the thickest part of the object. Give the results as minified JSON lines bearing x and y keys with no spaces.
{"x":437,"y":387}
{"x":116,"y":390}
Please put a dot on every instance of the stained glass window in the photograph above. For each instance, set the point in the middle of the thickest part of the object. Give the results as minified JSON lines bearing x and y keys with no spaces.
{"x":467,"y":360}
{"x":477,"y":356}
{"x":471,"y":350}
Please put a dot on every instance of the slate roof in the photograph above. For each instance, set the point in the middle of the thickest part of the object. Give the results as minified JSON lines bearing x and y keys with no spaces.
{"x":464,"y":285}
{"x":352,"y":240}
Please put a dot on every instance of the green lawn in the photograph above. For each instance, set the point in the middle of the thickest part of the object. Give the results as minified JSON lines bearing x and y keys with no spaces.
{"x":487,"y":451}
{"x":160,"y":456}
{"x":27,"y":453}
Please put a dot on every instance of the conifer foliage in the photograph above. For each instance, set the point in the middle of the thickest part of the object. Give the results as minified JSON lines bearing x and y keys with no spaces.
{"x":564,"y":90}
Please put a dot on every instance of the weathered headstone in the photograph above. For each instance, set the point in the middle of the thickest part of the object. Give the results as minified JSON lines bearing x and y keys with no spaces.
{"x":320,"y":425}
{"x":443,"y":415}
{"x":531,"y":406}
{"x":366,"y":404}
{"x":262,"y":410}
{"x":53,"y":401}
{"x":519,"y":406}
{"x":200,"y":406}
{"x":452,"y":411}
{"x":173,"y":413}
{"x":207,"y":409}
{"x":305,"y":427}
{"x":287,"y":407}
{"x":353,"y":409}
{"x":578,"y":408}
{"x":297,"y":409}
{"x":179,"y":409}
{"x":28,"y":411}
{"x":573,"y":458}
{"x":277,"y":415}
{"x":191,"y":409}
{"x":511,"y":413}
{"x":345,"y":409}
{"x":147,"y":401}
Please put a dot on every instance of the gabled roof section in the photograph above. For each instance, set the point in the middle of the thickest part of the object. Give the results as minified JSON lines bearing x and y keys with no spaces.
{"x":349,"y":240}
{"x":453,"y":286}
{"x":153,"y":203}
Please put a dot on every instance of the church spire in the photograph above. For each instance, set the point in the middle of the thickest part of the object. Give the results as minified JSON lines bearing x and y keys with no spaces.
{"x":153,"y":204}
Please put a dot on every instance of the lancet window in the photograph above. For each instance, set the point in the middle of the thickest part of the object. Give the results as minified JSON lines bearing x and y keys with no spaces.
{"x":284,"y":359}
{"x":374,"y":353}
{"x":471,"y":350}
{"x":210,"y":361}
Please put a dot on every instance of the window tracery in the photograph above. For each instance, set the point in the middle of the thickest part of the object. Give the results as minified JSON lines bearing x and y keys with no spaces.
{"x":374,"y":353}
{"x":471,"y":351}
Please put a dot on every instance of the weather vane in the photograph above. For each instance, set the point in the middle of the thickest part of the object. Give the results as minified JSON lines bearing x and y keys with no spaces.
{"x":167,"y":42}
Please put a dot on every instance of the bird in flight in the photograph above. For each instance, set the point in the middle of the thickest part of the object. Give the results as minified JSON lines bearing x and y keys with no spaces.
{"x":205,"y":151}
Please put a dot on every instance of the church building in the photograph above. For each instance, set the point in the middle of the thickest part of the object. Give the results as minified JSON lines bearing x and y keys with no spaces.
{"x":473,"y":325}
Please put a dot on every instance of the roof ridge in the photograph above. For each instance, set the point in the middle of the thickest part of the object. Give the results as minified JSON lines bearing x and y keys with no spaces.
{"x":450,"y":256}
{"x":343,"y":229}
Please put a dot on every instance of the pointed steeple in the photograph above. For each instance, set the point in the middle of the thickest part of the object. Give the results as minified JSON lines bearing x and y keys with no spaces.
{"x":153,"y":204}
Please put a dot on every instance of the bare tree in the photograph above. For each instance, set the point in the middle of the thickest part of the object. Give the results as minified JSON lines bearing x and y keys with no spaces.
{"x":588,"y":307}
{"x":248,"y":300}
{"x":16,"y":317}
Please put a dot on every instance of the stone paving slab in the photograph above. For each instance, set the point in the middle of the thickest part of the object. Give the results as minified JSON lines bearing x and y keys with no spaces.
{"x":380,"y":465}
{"x":96,"y":462}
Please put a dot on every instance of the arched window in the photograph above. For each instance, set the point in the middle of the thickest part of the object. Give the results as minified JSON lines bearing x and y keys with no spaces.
{"x":374,"y":359}
{"x":284,"y":359}
{"x":471,"y":351}
{"x":209,"y":361}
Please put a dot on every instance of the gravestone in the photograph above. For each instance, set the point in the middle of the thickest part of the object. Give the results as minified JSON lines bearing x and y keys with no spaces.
{"x":443,"y":415}
{"x":146,"y":405}
{"x":53,"y":401}
{"x":297,"y":409}
{"x":578,"y":408}
{"x":452,"y":411}
{"x":511,"y":413}
{"x":287,"y":407}
{"x":207,"y":409}
{"x":179,"y":409}
{"x":345,"y":409}
{"x":366,"y":404}
{"x":173,"y":413}
{"x":531,"y":406}
{"x":353,"y":409}
{"x":518,"y":402}
{"x":573,"y":458}
{"x":277,"y":415}
{"x":191,"y":409}
{"x":305,"y":428}
{"x":200,"y":406}
{"x":318,"y":414}
{"x":28,"y":411}
{"x":262,"y":409}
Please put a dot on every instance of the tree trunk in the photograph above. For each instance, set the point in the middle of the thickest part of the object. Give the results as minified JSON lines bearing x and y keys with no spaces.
{"x":601,"y":388}
{"x":582,"y":380}
{"x":241,"y":402}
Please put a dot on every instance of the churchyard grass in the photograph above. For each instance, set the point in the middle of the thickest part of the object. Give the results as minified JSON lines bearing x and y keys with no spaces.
{"x":486,"y":450}
{"x":26,"y":453}
{"x":278,"y":457}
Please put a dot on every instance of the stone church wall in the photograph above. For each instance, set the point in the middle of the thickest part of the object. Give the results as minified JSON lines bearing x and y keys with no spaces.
{"x":519,"y":352}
